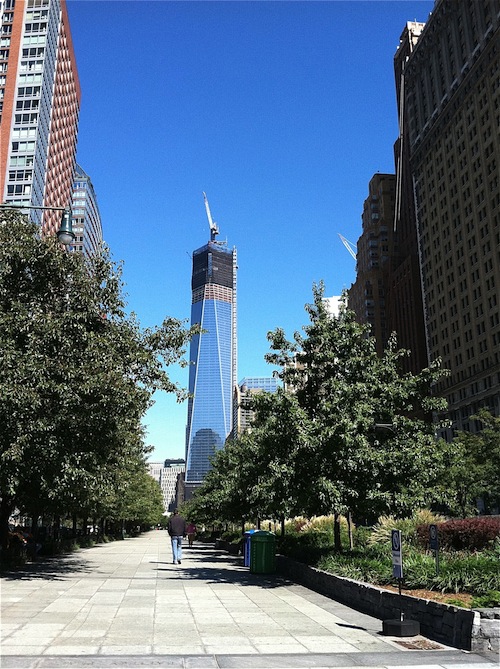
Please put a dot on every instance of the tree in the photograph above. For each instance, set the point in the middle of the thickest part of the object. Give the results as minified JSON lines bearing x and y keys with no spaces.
{"x":473,"y":469}
{"x":347,"y":390}
{"x":346,"y":435}
{"x":77,"y":374}
{"x":282,"y":438}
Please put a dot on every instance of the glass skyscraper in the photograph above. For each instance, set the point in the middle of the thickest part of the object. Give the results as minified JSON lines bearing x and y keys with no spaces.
{"x":212,"y":375}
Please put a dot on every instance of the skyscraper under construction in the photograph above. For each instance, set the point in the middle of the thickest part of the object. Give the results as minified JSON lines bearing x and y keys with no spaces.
{"x":212,"y":375}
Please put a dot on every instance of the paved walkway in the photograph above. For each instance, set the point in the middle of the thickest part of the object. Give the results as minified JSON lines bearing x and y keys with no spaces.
{"x":125,"y":604}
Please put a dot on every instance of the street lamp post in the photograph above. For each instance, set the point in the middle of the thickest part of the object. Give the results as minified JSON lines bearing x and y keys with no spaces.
{"x":65,"y":234}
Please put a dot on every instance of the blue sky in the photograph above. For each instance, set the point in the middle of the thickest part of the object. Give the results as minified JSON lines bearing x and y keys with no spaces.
{"x":280,"y":111}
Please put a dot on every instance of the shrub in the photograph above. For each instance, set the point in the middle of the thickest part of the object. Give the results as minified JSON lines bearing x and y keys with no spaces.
{"x":231,"y":536}
{"x":359,"y":566}
{"x":488,"y":601}
{"x":469,"y":534}
{"x":476,"y":574}
{"x":323,"y":524}
{"x":381,"y":531}
{"x":307,"y":547}
{"x":295,"y":525}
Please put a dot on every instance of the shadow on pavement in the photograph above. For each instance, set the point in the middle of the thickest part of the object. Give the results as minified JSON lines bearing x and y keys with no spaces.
{"x":231,"y":570}
{"x":50,"y":569}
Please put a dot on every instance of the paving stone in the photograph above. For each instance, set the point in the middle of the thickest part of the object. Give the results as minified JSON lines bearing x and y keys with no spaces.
{"x":123,"y":605}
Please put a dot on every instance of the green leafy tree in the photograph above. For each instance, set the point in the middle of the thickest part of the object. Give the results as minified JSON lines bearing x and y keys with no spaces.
{"x":473,"y":470}
{"x":282,"y":443}
{"x":224,"y":495}
{"x":258,"y":474}
{"x":140,"y":500}
{"x":77,"y":374}
{"x":347,"y":391}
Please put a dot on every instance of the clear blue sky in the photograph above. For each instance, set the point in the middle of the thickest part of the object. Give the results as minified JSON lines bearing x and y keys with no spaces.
{"x":280,"y":111}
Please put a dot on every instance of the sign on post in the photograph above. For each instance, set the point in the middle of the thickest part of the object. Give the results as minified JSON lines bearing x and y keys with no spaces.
{"x":397,"y":554}
{"x":434,"y":544}
{"x":433,"y":538}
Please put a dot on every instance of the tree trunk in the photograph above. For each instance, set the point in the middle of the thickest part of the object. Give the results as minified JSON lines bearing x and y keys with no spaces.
{"x":74,"y":525}
{"x":34,"y":524}
{"x":258,"y":523}
{"x":56,"y":527}
{"x":282,"y":526}
{"x":349,"y":530}
{"x":6,"y":508}
{"x":337,"y":541}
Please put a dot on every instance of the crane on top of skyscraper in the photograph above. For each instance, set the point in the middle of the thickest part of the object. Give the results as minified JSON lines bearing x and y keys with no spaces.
{"x":214,"y":228}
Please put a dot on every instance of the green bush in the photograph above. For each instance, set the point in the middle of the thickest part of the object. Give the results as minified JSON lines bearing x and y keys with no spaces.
{"x":477,"y":574}
{"x":489,"y":600}
{"x":231,"y":536}
{"x":472,"y":573}
{"x":308,"y":547}
{"x":381,"y":531}
{"x":359,"y":566}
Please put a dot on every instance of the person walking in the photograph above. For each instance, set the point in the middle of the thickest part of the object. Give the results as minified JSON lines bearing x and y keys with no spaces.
{"x":191,"y":532}
{"x":177,"y":530}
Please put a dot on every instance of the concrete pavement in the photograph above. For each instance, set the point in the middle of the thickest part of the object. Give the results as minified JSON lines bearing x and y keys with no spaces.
{"x":125,"y":604}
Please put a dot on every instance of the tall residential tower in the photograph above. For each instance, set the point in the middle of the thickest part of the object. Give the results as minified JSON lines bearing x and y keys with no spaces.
{"x":39,"y":104}
{"x":212,"y":375}
{"x":452,"y":98}
{"x":86,"y":218}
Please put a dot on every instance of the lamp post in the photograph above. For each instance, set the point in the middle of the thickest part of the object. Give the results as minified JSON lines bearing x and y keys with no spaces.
{"x":65,"y":234}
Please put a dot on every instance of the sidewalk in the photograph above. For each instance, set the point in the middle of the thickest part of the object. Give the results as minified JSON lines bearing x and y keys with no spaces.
{"x":125,"y":604}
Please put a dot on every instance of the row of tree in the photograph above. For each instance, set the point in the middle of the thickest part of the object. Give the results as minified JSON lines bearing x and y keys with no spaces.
{"x":350,"y":433}
{"x":77,"y":375}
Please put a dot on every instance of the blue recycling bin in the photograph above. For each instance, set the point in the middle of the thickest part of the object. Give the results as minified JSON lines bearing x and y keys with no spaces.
{"x":246,"y":547}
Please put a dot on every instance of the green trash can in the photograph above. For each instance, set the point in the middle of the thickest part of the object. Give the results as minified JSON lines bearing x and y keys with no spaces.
{"x":262,"y":552}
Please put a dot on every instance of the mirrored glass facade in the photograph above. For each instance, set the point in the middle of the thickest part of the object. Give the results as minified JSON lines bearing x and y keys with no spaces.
{"x":212,"y":375}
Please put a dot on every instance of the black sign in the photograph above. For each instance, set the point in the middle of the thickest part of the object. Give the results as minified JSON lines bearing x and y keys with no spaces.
{"x":433,"y":537}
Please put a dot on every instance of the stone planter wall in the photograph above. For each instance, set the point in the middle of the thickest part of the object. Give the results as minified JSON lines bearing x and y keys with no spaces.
{"x":478,"y":630}
{"x":451,"y":625}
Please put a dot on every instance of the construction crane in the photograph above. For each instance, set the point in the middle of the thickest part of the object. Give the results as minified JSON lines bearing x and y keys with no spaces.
{"x":349,"y":246}
{"x":214,"y":228}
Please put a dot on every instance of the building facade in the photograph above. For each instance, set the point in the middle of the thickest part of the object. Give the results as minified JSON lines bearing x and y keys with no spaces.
{"x":250,"y":385}
{"x":404,"y":305}
{"x":40,"y":103}
{"x":368,"y":294}
{"x":452,"y":98}
{"x":86,"y":218}
{"x":212,"y":374}
{"x":169,"y":475}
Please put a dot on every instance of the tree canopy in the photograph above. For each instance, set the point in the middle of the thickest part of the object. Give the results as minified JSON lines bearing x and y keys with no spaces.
{"x":77,"y":375}
{"x":473,"y":467}
{"x":349,"y":433}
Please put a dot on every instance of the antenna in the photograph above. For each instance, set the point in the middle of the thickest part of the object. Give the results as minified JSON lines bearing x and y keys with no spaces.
{"x":349,"y":246}
{"x":214,"y":228}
